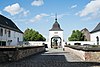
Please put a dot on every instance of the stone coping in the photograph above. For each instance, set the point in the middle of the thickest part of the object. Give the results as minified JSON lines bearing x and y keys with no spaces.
{"x":85,"y":48}
{"x":14,"y":48}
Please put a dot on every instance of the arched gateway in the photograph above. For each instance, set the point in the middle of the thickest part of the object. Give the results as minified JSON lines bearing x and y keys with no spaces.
{"x":55,"y":36}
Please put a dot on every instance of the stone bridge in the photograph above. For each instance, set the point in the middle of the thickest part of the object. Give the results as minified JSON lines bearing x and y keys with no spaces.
{"x":51,"y":58}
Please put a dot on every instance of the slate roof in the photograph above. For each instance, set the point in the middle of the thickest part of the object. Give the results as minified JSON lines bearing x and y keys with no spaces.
{"x":9,"y":24}
{"x":85,"y":29}
{"x":56,"y":26}
{"x":96,"y":29}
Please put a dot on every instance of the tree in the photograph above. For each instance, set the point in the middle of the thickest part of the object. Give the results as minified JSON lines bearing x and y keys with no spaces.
{"x":32,"y":35}
{"x":77,"y":36}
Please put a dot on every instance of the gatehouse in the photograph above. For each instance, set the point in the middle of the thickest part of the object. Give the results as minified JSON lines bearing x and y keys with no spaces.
{"x":55,"y":36}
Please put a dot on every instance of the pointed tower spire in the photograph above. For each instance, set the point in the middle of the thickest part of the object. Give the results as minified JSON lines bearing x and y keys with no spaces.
{"x":56,"y":26}
{"x":56,"y":17}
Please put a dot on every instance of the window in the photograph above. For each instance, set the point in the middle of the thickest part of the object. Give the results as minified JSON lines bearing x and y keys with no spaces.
{"x":1,"y":32}
{"x":9,"y":33}
{"x":18,"y":39}
{"x":97,"y":40}
{"x":2,"y":43}
{"x":5,"y":31}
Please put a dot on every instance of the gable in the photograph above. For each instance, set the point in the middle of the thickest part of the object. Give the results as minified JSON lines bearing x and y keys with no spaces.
{"x":9,"y":24}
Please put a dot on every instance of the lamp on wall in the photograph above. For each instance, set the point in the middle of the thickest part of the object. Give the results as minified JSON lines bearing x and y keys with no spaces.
{"x":9,"y":40}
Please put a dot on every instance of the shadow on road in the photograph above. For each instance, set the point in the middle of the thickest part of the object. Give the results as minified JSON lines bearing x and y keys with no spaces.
{"x":48,"y":60}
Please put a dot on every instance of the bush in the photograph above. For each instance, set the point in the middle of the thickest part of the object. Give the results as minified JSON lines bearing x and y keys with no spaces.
{"x":95,"y":45}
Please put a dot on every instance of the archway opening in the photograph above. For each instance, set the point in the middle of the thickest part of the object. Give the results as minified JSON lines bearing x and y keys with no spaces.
{"x":56,"y":42}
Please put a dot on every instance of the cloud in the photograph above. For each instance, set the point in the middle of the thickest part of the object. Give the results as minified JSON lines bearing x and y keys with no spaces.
{"x":25,"y":13}
{"x":73,"y":6}
{"x":0,"y":12}
{"x":38,"y":17}
{"x":62,"y":15}
{"x":37,"y":3}
{"x":13,"y":9}
{"x":59,"y":16}
{"x":91,"y":9}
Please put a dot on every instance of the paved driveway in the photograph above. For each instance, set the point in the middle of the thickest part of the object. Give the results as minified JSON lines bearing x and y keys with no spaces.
{"x":52,"y":58}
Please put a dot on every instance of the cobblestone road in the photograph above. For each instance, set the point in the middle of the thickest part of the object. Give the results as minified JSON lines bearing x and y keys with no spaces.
{"x":52,"y":58}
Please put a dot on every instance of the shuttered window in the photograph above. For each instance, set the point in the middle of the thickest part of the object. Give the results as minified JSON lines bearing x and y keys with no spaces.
{"x":9,"y":33}
{"x":1,"y":32}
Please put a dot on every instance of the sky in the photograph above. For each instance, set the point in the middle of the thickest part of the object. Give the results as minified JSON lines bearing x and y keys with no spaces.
{"x":40,"y":14}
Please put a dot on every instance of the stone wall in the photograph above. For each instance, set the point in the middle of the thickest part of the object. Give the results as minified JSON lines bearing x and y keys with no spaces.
{"x":17,"y":53}
{"x":93,"y":56}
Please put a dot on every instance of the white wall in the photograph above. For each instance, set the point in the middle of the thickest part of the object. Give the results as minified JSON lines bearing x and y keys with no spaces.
{"x":93,"y":37}
{"x":13,"y":37}
{"x":53,"y":34}
{"x":36,"y":43}
{"x":82,"y":42}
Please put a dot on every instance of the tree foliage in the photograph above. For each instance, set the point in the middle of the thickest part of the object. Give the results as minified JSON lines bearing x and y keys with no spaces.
{"x":32,"y":35}
{"x":77,"y":36}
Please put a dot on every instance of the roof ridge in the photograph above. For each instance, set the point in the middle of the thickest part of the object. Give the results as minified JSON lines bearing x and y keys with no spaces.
{"x":96,"y":29}
{"x":8,"y":23}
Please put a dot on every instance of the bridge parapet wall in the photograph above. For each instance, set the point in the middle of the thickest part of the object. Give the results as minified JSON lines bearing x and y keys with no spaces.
{"x":86,"y":55}
{"x":17,"y":53}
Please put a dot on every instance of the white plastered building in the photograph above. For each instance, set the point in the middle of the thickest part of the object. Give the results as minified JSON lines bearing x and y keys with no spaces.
{"x":95,"y":35}
{"x":10,"y":34}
